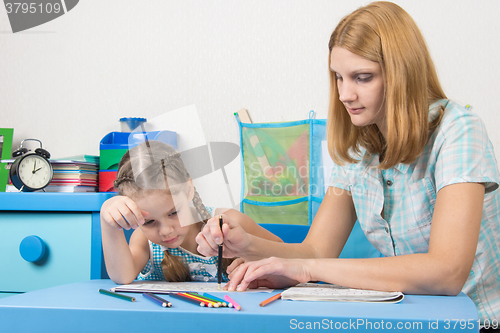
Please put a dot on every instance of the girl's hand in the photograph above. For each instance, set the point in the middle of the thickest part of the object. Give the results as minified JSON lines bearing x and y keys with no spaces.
{"x":271,"y":273}
{"x":121,"y":212}
{"x":234,"y":237}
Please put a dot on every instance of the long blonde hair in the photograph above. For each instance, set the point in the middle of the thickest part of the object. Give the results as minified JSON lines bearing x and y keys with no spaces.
{"x":156,"y":166}
{"x":385,"y":33}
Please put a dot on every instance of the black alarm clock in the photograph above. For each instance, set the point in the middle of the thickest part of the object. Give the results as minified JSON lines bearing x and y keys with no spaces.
{"x":31,"y":171}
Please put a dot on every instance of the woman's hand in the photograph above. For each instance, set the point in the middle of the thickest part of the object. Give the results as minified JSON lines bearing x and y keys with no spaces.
{"x":234,"y":237}
{"x":121,"y":212}
{"x":271,"y":273}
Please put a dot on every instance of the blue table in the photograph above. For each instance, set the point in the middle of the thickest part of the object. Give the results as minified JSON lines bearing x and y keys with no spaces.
{"x":79,"y":307}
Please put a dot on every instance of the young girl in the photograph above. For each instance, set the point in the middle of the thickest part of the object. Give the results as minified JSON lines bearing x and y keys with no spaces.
{"x":155,"y":192}
{"x":416,"y":169}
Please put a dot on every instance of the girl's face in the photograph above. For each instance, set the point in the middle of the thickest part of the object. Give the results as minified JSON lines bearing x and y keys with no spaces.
{"x":163,"y":225}
{"x":361,"y":87}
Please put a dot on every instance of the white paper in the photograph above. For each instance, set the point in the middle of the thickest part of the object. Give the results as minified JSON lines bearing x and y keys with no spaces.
{"x":164,"y":286}
{"x":331,"y":292}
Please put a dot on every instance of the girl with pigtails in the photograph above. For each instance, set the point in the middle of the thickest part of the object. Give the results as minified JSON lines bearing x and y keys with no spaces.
{"x":154,"y":195}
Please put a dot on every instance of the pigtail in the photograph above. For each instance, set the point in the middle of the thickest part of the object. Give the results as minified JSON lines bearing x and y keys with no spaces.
{"x":174,"y":270}
{"x":200,"y":207}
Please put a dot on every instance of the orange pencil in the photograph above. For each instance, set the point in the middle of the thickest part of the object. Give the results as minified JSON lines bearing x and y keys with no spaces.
{"x":270,"y":299}
{"x":230,"y":300}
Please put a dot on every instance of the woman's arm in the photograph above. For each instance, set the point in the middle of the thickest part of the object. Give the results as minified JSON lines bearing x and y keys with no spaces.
{"x":326,"y":238}
{"x":441,"y":271}
{"x":123,"y":261}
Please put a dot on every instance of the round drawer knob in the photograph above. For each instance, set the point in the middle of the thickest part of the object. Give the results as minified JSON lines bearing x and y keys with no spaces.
{"x":32,"y":248}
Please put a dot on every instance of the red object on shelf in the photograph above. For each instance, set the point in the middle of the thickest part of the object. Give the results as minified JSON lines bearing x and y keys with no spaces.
{"x":106,"y":179}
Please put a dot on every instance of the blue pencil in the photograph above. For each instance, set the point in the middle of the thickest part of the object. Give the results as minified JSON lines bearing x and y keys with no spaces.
{"x":157,"y":300}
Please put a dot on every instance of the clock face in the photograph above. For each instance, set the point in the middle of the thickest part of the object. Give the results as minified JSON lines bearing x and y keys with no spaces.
{"x":35,"y":172}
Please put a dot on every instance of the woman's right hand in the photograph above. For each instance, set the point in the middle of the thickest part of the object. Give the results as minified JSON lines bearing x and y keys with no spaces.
{"x":232,"y":235}
{"x":121,"y":212}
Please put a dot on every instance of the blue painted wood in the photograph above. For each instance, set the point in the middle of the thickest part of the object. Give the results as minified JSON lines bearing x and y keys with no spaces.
{"x":68,"y":253}
{"x":96,"y":257}
{"x":2,"y":295}
{"x":79,"y":307}
{"x":32,"y":248}
{"x":41,"y":201}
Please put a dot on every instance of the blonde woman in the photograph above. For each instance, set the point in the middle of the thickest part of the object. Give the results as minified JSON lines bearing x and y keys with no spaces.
{"x":415,"y":168}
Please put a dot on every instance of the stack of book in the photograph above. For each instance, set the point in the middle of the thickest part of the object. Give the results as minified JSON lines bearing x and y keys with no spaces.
{"x":71,"y":174}
{"x":75,"y":174}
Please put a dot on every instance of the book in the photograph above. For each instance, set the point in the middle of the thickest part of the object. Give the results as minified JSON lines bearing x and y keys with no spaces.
{"x":69,"y":188}
{"x":332,"y":292}
{"x":82,"y":158}
{"x":164,"y":287}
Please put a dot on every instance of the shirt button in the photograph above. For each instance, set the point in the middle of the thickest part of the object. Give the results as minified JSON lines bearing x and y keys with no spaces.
{"x":386,"y":229}
{"x":389,"y":183}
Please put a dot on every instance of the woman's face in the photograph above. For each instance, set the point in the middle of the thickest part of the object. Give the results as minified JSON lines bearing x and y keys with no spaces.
{"x":361,"y":87}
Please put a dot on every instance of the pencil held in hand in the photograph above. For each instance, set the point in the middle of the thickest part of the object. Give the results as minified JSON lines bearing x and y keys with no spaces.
{"x":219,"y":261}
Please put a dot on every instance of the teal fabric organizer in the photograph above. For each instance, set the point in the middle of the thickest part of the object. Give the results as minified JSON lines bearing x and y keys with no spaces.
{"x":284,"y":176}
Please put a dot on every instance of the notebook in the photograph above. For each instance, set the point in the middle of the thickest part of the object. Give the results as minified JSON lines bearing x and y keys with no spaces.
{"x":331,"y":292}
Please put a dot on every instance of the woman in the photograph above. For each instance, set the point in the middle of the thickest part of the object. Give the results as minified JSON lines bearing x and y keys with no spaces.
{"x":416,"y":169}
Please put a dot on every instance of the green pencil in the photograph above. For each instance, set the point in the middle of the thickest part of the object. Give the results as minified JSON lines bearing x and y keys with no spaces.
{"x":110,"y":293}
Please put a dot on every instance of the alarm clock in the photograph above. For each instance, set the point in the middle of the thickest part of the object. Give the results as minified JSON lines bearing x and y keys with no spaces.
{"x":31,"y":171}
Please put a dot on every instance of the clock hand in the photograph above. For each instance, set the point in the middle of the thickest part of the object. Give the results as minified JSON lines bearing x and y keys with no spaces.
{"x":36,"y":170}
{"x":34,"y":167}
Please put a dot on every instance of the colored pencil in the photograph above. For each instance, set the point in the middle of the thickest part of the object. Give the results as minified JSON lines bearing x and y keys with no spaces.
{"x":187,"y":299}
{"x":270,"y":299}
{"x":219,"y":259}
{"x":110,"y":293}
{"x":218,"y":302}
{"x":157,"y":300}
{"x":230,"y":300}
{"x":205,"y":303}
{"x":215,"y":299}
{"x":208,"y":303}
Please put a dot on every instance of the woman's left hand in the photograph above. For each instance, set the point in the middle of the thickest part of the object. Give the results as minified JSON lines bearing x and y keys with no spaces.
{"x":236,"y":262}
{"x":271,"y":273}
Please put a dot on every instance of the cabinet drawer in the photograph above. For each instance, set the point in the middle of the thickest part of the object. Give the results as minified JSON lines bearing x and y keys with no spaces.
{"x":67,"y":239}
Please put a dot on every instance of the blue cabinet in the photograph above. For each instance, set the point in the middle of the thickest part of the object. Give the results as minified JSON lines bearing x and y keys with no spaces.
{"x":49,"y":239}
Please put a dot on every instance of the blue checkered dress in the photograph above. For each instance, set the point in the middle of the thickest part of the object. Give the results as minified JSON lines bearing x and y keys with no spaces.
{"x":458,"y":151}
{"x":201,"y":268}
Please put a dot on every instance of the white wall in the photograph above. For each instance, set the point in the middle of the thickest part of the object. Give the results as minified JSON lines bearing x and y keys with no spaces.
{"x":67,"y":82}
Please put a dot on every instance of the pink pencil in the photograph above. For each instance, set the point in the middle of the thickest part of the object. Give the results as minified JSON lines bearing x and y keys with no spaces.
{"x":230,"y":300}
